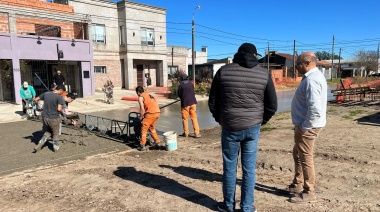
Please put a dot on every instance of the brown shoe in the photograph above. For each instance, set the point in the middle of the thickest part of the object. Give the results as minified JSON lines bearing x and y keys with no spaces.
{"x":294,"y":188}
{"x":304,"y":197}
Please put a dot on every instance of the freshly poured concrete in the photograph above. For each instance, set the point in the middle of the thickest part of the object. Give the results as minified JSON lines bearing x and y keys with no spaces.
{"x":171,"y":120}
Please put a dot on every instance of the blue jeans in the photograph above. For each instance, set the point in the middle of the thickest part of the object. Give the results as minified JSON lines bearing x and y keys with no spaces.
{"x":247,"y":141}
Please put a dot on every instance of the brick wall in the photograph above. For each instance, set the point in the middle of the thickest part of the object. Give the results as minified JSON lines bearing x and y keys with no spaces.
{"x":277,"y":75}
{"x":39,"y":5}
{"x":4,"y":23}
{"x":113,"y":73}
{"x":80,"y":29}
{"x":28,"y":25}
{"x":279,"y":79}
{"x":179,"y":61}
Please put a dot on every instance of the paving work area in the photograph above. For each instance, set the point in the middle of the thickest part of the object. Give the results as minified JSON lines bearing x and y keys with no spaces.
{"x":20,"y":136}
{"x":90,"y":173}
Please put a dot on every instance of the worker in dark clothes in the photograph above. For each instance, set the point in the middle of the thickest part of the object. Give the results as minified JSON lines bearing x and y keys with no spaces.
{"x":58,"y":78}
{"x":188,"y":106}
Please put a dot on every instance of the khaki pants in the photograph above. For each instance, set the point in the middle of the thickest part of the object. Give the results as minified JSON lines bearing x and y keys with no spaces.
{"x":148,"y":123}
{"x":303,"y":155}
{"x":192,"y":111}
{"x":51,"y":125}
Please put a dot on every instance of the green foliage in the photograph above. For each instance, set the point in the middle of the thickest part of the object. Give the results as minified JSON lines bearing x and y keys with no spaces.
{"x":334,"y":81}
{"x":202,"y":88}
{"x":353,"y":113}
{"x":176,"y":80}
{"x":332,"y":111}
{"x":174,"y":89}
{"x":267,"y":127}
{"x":324,"y":55}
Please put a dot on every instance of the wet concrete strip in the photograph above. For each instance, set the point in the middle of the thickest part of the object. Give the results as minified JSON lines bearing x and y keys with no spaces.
{"x":171,"y":119}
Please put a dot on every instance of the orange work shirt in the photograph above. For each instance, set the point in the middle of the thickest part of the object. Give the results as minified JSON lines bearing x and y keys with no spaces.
{"x":150,"y":104}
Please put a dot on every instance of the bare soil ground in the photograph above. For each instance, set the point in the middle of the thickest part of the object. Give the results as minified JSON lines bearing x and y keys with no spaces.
{"x":189,"y":179}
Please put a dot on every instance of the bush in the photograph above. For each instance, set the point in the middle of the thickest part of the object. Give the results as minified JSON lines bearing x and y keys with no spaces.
{"x":203,"y":88}
{"x":174,"y":89}
{"x":176,"y":79}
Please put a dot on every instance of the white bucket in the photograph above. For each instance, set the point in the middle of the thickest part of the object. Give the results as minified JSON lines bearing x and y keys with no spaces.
{"x":170,"y":140}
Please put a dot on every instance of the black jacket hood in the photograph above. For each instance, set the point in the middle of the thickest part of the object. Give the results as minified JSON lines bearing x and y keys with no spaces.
{"x":246,"y":60}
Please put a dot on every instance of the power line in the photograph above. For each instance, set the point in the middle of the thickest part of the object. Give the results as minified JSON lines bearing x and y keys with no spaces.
{"x":238,"y":34}
{"x":344,"y":44}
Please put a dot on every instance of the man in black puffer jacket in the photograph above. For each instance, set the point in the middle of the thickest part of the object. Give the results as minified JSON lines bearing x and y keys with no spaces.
{"x":242,"y":98}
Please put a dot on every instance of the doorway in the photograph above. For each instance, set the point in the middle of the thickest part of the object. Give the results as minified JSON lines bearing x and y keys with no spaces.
{"x":6,"y":81}
{"x":39,"y":74}
{"x":140,"y":75}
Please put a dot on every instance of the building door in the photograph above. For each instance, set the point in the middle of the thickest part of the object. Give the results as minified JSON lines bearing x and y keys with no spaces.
{"x":140,"y":75}
{"x":6,"y":81}
{"x":35,"y":72}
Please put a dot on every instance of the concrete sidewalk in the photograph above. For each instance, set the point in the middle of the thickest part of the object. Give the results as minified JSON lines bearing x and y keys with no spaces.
{"x":13,"y":112}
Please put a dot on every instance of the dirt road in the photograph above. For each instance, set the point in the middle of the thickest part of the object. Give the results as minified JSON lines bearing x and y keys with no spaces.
{"x":189,"y":179}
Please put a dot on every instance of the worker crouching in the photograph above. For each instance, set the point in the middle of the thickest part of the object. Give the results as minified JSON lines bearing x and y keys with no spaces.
{"x":149,"y":115}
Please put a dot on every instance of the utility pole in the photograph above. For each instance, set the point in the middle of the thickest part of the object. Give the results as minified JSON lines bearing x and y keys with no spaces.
{"x":268,"y":58}
{"x":378,"y":57}
{"x":294,"y":60}
{"x":339,"y":71}
{"x":192,"y":46}
{"x":332,"y":60}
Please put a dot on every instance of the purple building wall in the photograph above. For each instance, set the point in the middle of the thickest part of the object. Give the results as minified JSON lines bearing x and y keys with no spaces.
{"x":18,"y":47}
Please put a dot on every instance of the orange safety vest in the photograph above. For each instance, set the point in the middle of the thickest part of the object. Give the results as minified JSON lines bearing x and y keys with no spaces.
{"x":150,"y":104}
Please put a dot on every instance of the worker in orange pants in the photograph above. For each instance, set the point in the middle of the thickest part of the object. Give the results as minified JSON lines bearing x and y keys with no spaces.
{"x":188,"y":106}
{"x":192,"y":111}
{"x":149,"y":115}
{"x":148,"y":123}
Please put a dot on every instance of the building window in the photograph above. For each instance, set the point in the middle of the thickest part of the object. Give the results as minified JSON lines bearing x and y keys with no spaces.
{"x":171,"y":71}
{"x":98,"y":33}
{"x":147,"y":37}
{"x":100,"y":70}
{"x":122,"y":35}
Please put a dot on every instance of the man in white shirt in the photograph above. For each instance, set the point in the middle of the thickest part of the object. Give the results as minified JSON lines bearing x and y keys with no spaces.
{"x":309,"y":117}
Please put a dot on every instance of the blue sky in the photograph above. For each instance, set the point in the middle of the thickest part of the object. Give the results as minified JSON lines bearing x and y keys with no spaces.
{"x":223,"y":25}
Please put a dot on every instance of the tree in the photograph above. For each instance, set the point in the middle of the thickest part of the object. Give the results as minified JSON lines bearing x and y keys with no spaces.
{"x":326,"y":55}
{"x":366,"y":60}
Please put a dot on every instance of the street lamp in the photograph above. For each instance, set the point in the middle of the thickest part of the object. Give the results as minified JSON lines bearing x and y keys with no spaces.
{"x":192,"y":43}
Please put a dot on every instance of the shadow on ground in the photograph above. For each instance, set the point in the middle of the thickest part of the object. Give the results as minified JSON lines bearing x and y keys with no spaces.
{"x":166,"y":185}
{"x":373,"y":119}
{"x":210,"y":176}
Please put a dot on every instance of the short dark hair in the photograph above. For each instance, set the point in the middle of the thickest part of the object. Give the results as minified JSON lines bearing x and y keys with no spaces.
{"x":72,"y":96}
{"x":139,"y":89}
{"x":61,"y":87}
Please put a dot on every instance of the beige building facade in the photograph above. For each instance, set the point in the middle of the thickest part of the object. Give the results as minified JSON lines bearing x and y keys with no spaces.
{"x":142,"y":44}
{"x":129,"y":42}
{"x":177,"y":59}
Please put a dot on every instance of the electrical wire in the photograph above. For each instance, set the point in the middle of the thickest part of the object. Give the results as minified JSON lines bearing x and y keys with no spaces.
{"x":344,"y":44}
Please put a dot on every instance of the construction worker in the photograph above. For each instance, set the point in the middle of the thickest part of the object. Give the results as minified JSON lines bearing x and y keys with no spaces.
{"x":188,"y":106}
{"x":51,"y":119}
{"x":27,"y":92}
{"x":149,"y":114}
